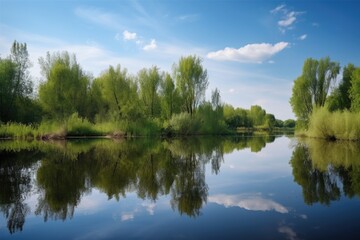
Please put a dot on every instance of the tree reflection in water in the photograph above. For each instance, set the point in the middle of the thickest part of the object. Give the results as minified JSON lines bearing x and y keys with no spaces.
{"x":63,"y":172}
{"x":321,"y":167}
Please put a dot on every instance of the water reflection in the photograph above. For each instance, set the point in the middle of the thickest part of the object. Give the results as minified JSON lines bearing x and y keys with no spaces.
{"x":323,"y":168}
{"x":251,"y":202}
{"x":62,"y":173}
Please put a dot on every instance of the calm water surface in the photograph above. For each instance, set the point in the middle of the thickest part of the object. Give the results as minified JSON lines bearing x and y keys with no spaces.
{"x":259,"y":187}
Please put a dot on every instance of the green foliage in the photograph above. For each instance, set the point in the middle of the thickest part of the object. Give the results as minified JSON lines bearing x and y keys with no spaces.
{"x":170,"y":102}
{"x":211,"y":119}
{"x":65,"y":90}
{"x":16,"y":87}
{"x":235,"y":118}
{"x":312,"y":87}
{"x":289,"y":123}
{"x":184,"y":124}
{"x":257,"y":115}
{"x":334,"y":125}
{"x":120,"y":94}
{"x":149,"y":80}
{"x":340,"y":97}
{"x":72,"y":103}
{"x":191,"y":81}
{"x":355,"y":90}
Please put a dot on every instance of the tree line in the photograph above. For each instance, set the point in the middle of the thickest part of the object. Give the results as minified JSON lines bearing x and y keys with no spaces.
{"x":316,"y":88}
{"x":173,"y":102}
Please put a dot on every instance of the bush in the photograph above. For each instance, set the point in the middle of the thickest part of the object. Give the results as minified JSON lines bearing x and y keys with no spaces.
{"x":334,"y":125}
{"x":184,"y":124}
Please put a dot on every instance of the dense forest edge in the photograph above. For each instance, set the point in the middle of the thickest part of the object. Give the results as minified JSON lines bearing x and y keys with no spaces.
{"x":324,"y":108}
{"x":70,"y":102}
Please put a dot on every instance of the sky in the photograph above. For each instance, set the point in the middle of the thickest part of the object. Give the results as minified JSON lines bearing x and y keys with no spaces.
{"x":252,"y":50}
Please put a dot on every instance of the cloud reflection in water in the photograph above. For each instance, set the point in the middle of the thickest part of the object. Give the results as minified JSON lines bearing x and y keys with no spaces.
{"x":251,"y":202}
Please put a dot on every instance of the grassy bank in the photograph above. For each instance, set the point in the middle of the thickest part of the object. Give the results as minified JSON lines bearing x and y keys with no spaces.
{"x":333,"y":125}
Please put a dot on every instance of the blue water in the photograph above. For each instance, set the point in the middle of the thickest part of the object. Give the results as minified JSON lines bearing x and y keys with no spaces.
{"x":251,"y":193}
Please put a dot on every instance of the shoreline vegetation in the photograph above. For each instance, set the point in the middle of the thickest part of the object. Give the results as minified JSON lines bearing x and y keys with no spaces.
{"x":70,"y":102}
{"x":324,"y":108}
{"x":83,"y":129}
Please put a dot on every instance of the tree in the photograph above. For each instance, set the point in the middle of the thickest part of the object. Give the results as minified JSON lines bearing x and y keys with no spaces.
{"x":257,"y":114}
{"x":65,"y":89}
{"x":340,"y":97}
{"x":169,"y":97}
{"x":192,"y":81}
{"x":312,"y":87}
{"x":7,"y":76}
{"x":149,"y":80}
{"x":119,"y":92}
{"x":16,"y":86}
{"x":20,"y":56}
{"x":355,"y":90}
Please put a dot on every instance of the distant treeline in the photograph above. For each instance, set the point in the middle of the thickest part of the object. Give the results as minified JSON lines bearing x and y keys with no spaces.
{"x":324,"y":109}
{"x":150,"y":102}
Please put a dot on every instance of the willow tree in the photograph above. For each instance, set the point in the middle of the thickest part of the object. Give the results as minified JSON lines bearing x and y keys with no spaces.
{"x":312,"y":87}
{"x":64,"y":90}
{"x":119,"y":92}
{"x":169,"y":97}
{"x":191,"y":81}
{"x":149,"y":81}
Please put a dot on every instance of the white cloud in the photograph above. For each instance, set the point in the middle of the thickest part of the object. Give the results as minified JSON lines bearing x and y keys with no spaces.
{"x":151,"y":46}
{"x":150,"y":207}
{"x":288,"y":18}
{"x":250,"y":53}
{"x":251,"y":202}
{"x":127,"y":216}
{"x":289,"y":232}
{"x":278,"y":8}
{"x":303,"y":37}
{"x":129,"y":35}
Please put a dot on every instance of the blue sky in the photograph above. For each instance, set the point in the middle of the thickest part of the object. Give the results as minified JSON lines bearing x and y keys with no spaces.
{"x":253,"y":50}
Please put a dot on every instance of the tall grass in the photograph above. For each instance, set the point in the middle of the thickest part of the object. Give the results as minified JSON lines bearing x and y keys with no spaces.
{"x":334,"y":125}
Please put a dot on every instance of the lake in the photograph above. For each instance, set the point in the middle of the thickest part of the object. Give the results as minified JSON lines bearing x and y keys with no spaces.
{"x":243,"y":187}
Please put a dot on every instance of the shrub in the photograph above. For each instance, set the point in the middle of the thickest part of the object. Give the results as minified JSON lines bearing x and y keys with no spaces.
{"x":334,"y":125}
{"x":184,"y":124}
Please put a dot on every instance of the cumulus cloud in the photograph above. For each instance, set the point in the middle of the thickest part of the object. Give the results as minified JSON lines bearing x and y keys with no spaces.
{"x":151,"y":46}
{"x":250,"y":53}
{"x":252,"y":202}
{"x":129,"y":35}
{"x":303,"y":37}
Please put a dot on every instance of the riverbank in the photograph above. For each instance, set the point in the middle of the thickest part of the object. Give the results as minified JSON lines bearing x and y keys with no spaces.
{"x":333,"y":126}
{"x":83,"y":129}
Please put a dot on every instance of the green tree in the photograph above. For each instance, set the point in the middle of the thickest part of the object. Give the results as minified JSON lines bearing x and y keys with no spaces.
{"x":65,"y":89}
{"x":16,"y":86}
{"x":191,"y":81}
{"x":257,"y":114}
{"x":149,"y":80}
{"x":340,"y":96}
{"x":355,"y":90}
{"x":7,"y":76}
{"x":169,"y":97}
{"x":312,"y":87}
{"x":120,"y":94}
